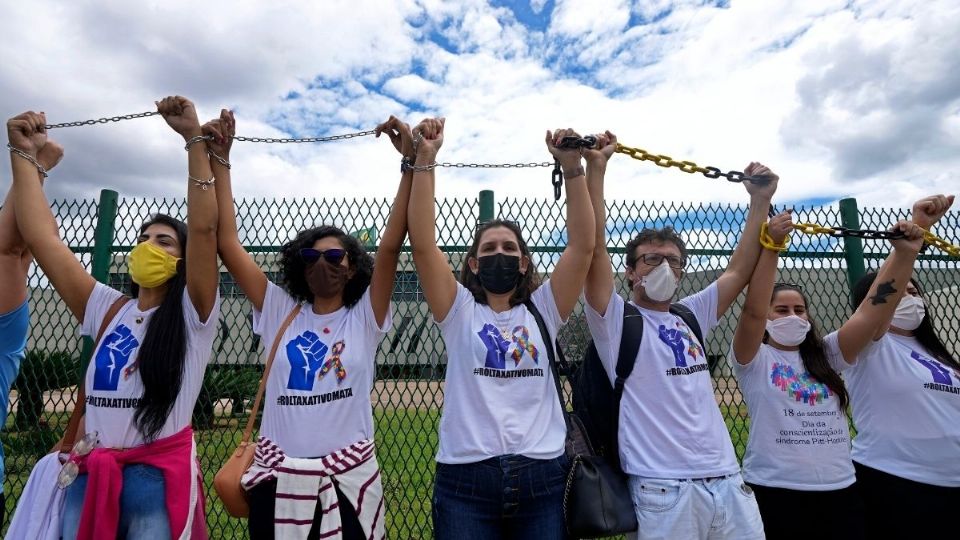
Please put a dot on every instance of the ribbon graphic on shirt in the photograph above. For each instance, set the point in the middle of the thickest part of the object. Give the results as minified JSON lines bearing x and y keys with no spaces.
{"x":674,"y":337}
{"x":334,"y":362}
{"x":803,"y":387}
{"x":521,"y":337}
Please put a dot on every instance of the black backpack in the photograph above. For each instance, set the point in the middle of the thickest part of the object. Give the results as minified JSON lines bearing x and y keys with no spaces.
{"x":596,"y":403}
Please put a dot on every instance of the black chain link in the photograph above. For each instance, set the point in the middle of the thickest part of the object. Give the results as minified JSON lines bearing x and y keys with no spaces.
{"x":842,"y":232}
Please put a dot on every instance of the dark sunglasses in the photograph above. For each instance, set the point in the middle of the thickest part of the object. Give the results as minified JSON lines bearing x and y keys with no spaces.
{"x":332,"y":256}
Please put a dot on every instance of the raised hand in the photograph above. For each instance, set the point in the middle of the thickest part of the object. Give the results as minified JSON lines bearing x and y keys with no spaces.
{"x":912,"y":236}
{"x":400,"y":135}
{"x":606,"y":145}
{"x":222,"y":131}
{"x":780,"y":226}
{"x":305,"y":353}
{"x":928,"y":210}
{"x":50,"y":154}
{"x":428,"y":138}
{"x":569,"y":158}
{"x":764,"y":190}
{"x":180,"y":114}
{"x":26,"y":132}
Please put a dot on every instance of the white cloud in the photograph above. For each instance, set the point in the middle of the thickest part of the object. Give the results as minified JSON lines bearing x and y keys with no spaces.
{"x":837,"y":98}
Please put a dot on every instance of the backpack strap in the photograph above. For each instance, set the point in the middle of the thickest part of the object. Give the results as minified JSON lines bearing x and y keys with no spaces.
{"x":73,"y":425}
{"x":690,"y":320}
{"x":549,"y":343}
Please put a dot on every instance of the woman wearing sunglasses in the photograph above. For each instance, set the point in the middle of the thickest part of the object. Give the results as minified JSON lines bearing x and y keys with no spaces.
{"x":142,"y":383}
{"x":797,"y":459}
{"x":316,"y":435}
{"x":501,"y":468}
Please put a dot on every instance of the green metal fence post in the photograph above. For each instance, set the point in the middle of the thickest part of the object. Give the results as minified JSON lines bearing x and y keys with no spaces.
{"x":486,"y":205}
{"x":102,"y":250}
{"x":852,"y":247}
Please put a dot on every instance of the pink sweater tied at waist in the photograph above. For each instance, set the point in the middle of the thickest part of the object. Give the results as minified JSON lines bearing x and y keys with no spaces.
{"x":175,"y":456}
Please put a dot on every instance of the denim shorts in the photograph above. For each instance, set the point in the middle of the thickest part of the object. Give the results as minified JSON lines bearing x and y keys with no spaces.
{"x":143,"y":507}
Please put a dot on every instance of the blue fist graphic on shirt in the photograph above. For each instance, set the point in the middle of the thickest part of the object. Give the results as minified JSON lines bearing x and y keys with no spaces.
{"x":114,"y":353}
{"x":496,"y":346}
{"x":305,"y":354}
{"x":674,"y":339}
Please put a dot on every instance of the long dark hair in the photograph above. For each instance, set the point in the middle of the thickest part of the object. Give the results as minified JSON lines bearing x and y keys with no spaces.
{"x":292,"y":267}
{"x":162,"y":354}
{"x":528,"y":281}
{"x":812,"y":352}
{"x":926,"y":334}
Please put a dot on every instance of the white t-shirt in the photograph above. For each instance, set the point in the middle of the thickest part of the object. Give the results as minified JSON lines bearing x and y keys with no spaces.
{"x":670,"y":424}
{"x":906,"y":407}
{"x":499,"y":397}
{"x":114,"y":389}
{"x":798,"y":434}
{"x":317,"y":398}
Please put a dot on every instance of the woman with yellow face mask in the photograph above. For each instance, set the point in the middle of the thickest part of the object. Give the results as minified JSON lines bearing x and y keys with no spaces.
{"x":137,"y":476}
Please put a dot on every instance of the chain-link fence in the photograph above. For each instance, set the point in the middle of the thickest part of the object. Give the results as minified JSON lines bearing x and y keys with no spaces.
{"x":408,"y":393}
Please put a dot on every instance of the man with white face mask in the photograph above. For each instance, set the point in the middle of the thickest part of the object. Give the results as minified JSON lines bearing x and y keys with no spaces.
{"x":674,"y":446}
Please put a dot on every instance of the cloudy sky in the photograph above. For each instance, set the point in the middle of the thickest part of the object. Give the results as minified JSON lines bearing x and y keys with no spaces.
{"x":842,"y":98}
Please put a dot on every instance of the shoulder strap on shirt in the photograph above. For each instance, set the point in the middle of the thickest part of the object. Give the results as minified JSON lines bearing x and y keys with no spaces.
{"x":73,"y":424}
{"x":689,"y":319}
{"x":248,"y":431}
{"x":549,"y":343}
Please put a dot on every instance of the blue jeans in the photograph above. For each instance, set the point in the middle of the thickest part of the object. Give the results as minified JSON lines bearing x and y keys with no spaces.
{"x":143,"y":508}
{"x":506,"y":497}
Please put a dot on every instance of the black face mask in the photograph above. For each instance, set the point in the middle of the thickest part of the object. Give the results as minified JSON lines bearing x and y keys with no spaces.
{"x":499,"y":273}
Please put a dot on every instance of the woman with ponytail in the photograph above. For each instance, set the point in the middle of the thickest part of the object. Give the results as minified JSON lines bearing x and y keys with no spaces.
{"x":141,"y":478}
{"x":797,"y":459}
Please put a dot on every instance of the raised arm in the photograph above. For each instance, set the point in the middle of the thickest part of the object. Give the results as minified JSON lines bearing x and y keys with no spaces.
{"x":203,"y":273}
{"x":388,"y":253}
{"x":436,"y":278}
{"x":35,"y":221}
{"x":15,"y":257}
{"x":571,"y":271}
{"x":744,"y":258}
{"x":753,"y":318}
{"x":599,"y":285}
{"x":241,"y":265}
{"x":872,"y":317}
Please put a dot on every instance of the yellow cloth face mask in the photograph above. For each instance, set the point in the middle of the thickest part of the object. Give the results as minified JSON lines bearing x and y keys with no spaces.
{"x":150,"y":266}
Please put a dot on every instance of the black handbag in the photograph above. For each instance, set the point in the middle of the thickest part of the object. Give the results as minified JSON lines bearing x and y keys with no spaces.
{"x":596,"y":499}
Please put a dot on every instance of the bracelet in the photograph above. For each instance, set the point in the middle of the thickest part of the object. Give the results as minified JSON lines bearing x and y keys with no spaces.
{"x":221,"y":160}
{"x":193,"y":140}
{"x":574,"y":173}
{"x":406,"y":165}
{"x":202,"y":184}
{"x":28,"y":157}
{"x":768,"y":243}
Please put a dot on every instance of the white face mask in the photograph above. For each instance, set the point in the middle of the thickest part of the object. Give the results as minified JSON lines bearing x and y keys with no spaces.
{"x":789,"y":331}
{"x":910,"y":311}
{"x":660,"y":284}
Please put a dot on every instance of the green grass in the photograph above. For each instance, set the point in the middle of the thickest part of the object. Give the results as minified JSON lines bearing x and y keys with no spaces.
{"x":406,"y":447}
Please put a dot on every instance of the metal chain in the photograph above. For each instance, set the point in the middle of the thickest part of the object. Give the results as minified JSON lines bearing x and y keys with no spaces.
{"x":689,"y":167}
{"x":496,"y":165}
{"x":929,"y":239}
{"x":102,"y":120}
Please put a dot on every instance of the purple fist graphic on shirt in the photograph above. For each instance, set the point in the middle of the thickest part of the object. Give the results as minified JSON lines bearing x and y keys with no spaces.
{"x":496,"y":346}
{"x":940,"y":374}
{"x":113,"y":354}
{"x":305,"y":354}
{"x":674,"y":339}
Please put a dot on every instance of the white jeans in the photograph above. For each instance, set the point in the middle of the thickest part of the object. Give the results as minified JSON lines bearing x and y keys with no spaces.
{"x":706,"y":509}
